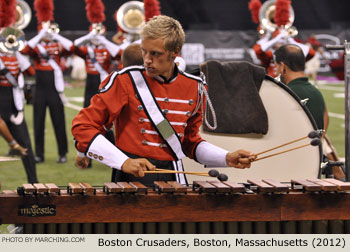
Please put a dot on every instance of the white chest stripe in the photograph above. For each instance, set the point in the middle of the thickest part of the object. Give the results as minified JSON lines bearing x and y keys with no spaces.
{"x":172,"y":123}
{"x":172,"y":100}
{"x":109,"y":83}
{"x":58,"y":75}
{"x":177,"y":112}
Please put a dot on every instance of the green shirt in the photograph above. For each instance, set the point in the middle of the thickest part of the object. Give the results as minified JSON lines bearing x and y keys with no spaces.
{"x":304,"y":89}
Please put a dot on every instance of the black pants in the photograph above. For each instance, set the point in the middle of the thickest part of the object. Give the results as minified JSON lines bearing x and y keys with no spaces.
{"x":19,"y":132}
{"x":148,"y":179}
{"x":91,"y":88}
{"x":46,"y":96}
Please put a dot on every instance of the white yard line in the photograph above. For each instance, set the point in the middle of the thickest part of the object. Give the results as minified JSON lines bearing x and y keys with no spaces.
{"x":335,"y":115}
{"x":340,"y":89}
{"x":73,"y":106}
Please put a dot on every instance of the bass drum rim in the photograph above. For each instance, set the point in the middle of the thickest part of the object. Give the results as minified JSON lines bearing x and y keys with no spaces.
{"x":306,"y":110}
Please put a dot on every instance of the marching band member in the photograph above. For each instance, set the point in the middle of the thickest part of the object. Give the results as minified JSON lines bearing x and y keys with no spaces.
{"x":265,"y":46}
{"x":46,"y":49}
{"x":157,"y":113}
{"x":95,"y":49}
{"x":12,"y":65}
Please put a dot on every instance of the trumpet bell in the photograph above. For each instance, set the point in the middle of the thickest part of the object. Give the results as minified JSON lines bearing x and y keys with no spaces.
{"x":54,"y":28}
{"x":11,"y":40}
{"x":24,"y":14}
{"x":292,"y":31}
{"x":131,"y":17}
{"x":98,"y":28}
{"x":51,"y":27}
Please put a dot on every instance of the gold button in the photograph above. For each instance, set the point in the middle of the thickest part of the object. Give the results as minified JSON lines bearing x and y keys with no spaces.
{"x":95,"y":156}
{"x":100,"y":158}
{"x":139,"y":107}
{"x":90,"y":154}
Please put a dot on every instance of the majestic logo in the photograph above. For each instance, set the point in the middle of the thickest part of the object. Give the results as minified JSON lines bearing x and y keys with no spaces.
{"x":37,"y":211}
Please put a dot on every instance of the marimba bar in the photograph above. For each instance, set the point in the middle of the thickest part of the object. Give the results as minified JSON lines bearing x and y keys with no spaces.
{"x":257,"y":206}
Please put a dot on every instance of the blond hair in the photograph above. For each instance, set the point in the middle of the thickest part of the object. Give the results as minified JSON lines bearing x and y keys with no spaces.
{"x":166,"y":28}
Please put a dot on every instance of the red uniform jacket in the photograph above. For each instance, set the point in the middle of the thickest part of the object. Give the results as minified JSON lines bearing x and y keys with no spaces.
{"x":117,"y":103}
{"x":55,"y":50}
{"x":102,"y":56}
{"x":11,"y":63}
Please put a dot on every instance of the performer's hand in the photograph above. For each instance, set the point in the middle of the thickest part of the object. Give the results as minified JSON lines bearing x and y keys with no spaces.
{"x":240,"y":159}
{"x":17,"y":149}
{"x":82,"y":162}
{"x":137,"y":166}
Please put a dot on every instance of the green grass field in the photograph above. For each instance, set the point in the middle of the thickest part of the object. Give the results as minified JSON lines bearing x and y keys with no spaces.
{"x":12,"y":173}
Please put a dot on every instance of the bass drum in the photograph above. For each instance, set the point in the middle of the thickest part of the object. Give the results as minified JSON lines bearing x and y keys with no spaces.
{"x":288,"y":120}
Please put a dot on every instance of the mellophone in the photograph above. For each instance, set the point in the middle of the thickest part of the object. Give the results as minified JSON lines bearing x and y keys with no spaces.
{"x":257,"y":206}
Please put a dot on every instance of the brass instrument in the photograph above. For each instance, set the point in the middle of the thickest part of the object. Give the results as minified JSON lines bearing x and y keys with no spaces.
{"x":131,"y":17}
{"x":24,"y":14}
{"x":51,"y":27}
{"x":12,"y":37}
{"x":266,"y":18}
{"x":98,"y":29}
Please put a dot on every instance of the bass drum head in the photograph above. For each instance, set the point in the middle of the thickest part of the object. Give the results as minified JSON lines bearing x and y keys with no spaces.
{"x":287,"y":120}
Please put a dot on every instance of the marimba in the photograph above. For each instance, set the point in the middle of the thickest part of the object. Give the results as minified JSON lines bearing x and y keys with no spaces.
{"x":257,"y":206}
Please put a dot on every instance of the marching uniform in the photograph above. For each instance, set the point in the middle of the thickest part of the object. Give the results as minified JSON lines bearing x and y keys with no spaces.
{"x":337,"y":66}
{"x":267,"y":61}
{"x":11,"y":105}
{"x":95,"y":75}
{"x":179,"y":100}
{"x":48,"y":93}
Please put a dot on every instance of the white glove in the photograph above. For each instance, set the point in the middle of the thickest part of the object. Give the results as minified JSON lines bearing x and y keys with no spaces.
{"x":181,"y":64}
{"x":17,"y":119}
{"x":266,"y":45}
{"x":63,"y":98}
{"x":112,"y":48}
{"x":36,"y":39}
{"x":84,"y":39}
{"x":66,"y":43}
{"x":23,"y":61}
{"x":264,"y":39}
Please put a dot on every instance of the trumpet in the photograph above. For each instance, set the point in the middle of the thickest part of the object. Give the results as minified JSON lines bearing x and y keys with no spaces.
{"x":51,"y":27}
{"x":98,"y":29}
{"x":292,"y":31}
